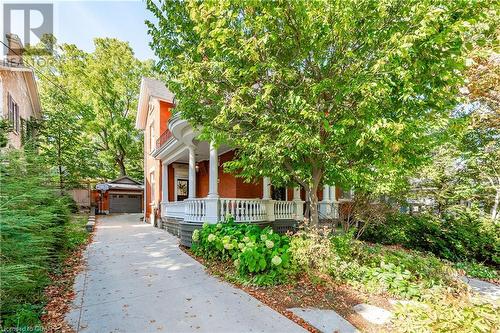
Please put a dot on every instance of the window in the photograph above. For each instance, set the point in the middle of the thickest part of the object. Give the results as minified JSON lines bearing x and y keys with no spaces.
{"x":152,"y":182}
{"x":152,"y":138}
{"x":13,"y":108}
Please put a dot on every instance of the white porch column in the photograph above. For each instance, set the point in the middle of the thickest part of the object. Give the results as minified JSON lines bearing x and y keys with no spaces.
{"x":164,"y":189}
{"x":266,"y":199}
{"x":333,"y":193}
{"x":266,"y":188}
{"x":335,"y":203}
{"x":326,"y":193}
{"x":296,"y":193}
{"x":192,"y":173}
{"x":213,"y":177}
{"x":164,"y":183}
{"x":212,"y":200}
{"x":299,"y":204}
{"x":324,"y":205}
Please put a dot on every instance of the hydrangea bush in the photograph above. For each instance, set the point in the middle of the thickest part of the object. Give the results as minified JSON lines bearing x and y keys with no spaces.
{"x":256,"y":252}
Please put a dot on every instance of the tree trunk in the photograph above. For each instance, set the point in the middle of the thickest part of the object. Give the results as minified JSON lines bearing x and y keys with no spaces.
{"x":313,"y":202}
{"x":121,"y":164}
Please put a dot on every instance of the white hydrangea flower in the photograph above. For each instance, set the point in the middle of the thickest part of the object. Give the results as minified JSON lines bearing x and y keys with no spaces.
{"x":276,"y":260}
{"x":205,"y":225}
{"x":211,"y":237}
{"x":219,"y":225}
{"x":237,"y":263}
{"x":196,"y":235}
{"x":241,"y":246}
{"x":270,"y":232}
{"x":228,"y":246}
{"x":246,"y":239}
{"x":263,"y":237}
{"x":269,"y":244}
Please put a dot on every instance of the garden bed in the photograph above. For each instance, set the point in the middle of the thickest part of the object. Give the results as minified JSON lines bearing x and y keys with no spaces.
{"x":316,"y":269}
{"x":302,"y":292}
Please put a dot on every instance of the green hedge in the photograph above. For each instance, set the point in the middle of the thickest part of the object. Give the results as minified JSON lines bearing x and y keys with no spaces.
{"x":459,"y":235}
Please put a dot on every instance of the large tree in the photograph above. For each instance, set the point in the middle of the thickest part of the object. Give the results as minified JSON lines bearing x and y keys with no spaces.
{"x":90,"y":100}
{"x":322,"y":91}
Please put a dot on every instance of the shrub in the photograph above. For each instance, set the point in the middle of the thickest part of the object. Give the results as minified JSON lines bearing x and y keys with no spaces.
{"x":258,"y":254}
{"x":32,"y":238}
{"x":477,"y":270}
{"x":446,"y":313}
{"x":461,"y":234}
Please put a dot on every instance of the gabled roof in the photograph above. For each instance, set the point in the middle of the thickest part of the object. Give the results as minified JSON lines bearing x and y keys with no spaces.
{"x":151,"y":88}
{"x":120,"y":183}
{"x":29,"y":76}
{"x":124,"y":180}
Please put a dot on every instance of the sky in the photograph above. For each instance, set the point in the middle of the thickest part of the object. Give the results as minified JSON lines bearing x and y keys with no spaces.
{"x":79,"y":22}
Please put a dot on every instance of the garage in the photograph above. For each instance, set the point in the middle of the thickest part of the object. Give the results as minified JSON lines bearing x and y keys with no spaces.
{"x":125,"y":203}
{"x":122,"y":195}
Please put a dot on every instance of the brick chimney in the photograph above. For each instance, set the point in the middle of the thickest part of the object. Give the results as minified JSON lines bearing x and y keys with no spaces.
{"x":15,"y":50}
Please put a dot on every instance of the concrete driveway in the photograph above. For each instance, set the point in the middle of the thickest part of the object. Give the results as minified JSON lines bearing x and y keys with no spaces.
{"x":138,"y":280}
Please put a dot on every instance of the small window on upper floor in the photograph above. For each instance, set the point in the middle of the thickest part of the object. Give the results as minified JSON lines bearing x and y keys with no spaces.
{"x":13,"y":108}
{"x":152,"y":138}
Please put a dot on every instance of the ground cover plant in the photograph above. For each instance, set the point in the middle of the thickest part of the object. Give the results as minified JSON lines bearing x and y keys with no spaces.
{"x":37,"y":234}
{"x":334,"y":259}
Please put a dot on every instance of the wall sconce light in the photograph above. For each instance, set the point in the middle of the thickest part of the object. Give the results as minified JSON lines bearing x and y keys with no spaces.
{"x":197,"y":167}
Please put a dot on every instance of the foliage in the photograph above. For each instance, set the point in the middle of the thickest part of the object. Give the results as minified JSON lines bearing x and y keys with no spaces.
{"x":447,"y":313}
{"x":89,"y":102}
{"x":4,"y":132}
{"x":310,"y":92}
{"x":259,"y":254}
{"x":477,"y":270}
{"x":377,"y":269}
{"x":35,"y":235}
{"x":460,"y":235}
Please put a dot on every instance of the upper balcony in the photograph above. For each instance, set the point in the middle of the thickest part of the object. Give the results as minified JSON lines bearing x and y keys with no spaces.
{"x":164,"y":137}
{"x":179,"y":134}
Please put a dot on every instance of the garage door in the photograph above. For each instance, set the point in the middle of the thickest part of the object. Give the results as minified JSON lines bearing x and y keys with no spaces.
{"x":125,"y":203}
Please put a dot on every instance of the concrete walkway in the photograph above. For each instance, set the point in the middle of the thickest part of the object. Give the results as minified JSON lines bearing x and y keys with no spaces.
{"x":138,"y":280}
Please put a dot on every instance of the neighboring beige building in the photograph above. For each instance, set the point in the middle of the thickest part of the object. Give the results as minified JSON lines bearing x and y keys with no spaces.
{"x":19,"y":100}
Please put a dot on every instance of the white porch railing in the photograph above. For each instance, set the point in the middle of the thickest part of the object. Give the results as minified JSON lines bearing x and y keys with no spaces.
{"x":243,"y":210}
{"x":284,"y":210}
{"x":173,"y":209}
{"x":196,"y":210}
{"x":328,"y":210}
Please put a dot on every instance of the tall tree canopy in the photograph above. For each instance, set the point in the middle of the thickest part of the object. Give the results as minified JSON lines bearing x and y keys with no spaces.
{"x":90,"y":101}
{"x":323,"y":91}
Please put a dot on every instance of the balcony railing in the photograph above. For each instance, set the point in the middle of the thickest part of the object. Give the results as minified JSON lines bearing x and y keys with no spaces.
{"x":164,"y":137}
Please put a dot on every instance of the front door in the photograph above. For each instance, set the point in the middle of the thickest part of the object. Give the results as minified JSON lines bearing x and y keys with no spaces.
{"x":278,"y":193}
{"x":182,"y":189}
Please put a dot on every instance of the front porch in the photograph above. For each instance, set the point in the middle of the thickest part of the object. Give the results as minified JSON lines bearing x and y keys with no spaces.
{"x":194,"y":189}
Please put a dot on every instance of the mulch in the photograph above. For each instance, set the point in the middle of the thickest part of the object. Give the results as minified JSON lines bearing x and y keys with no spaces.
{"x":303,"y":292}
{"x":60,"y":292}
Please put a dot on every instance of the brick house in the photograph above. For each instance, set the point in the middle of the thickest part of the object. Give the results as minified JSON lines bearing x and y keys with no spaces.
{"x":185,"y":184}
{"x":19,"y":100}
